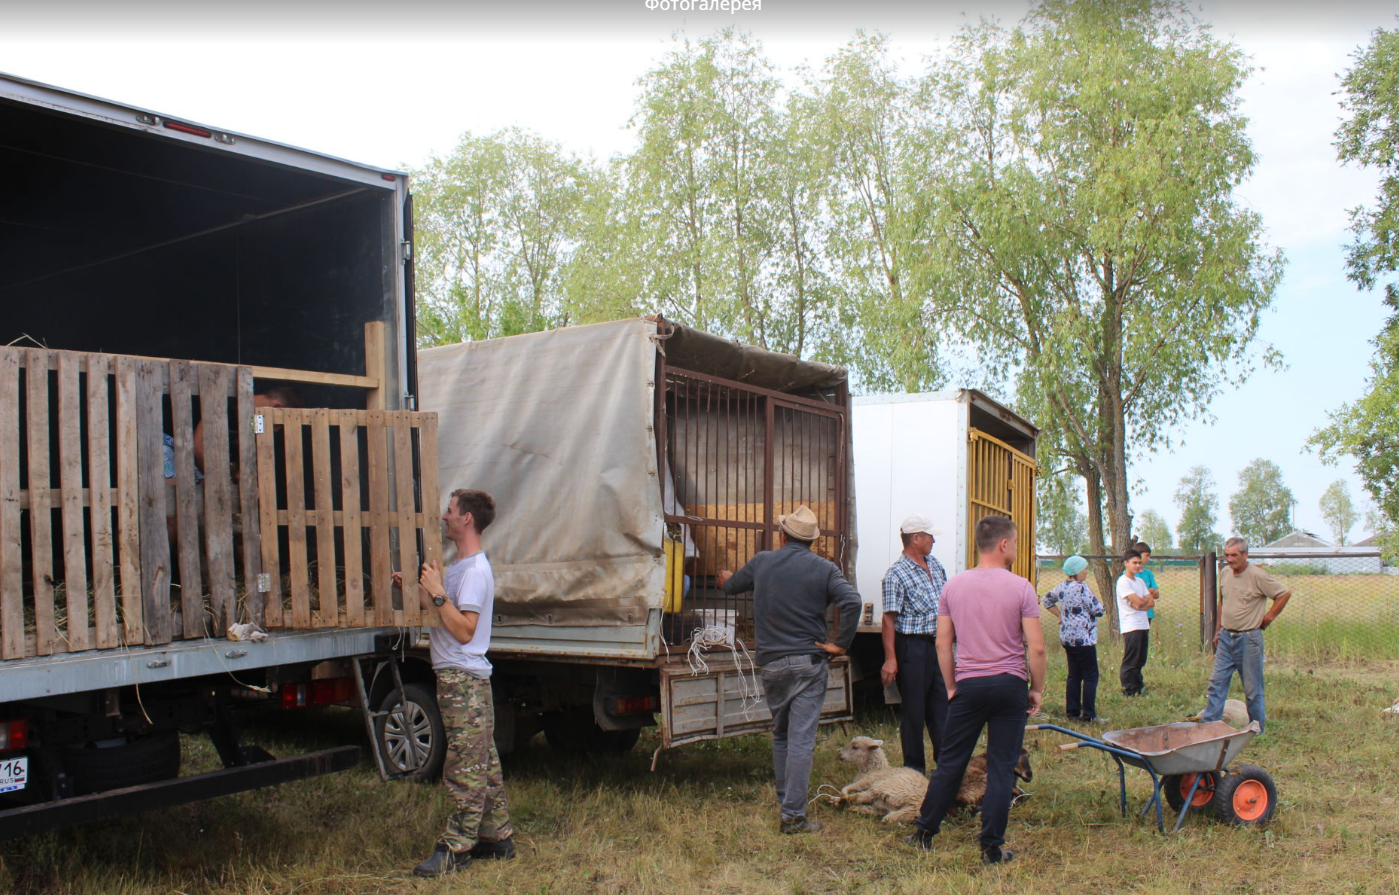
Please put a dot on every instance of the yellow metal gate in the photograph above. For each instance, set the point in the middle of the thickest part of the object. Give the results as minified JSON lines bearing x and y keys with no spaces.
{"x":1001,"y":481}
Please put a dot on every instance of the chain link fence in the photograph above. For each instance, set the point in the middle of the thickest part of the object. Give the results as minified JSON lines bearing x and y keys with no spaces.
{"x":1344,"y":605}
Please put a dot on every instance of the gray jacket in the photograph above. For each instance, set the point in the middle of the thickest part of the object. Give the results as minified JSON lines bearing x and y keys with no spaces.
{"x":792,"y":587}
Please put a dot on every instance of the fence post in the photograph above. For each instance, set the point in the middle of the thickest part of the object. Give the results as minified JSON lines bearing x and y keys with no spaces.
{"x":1209,"y":589}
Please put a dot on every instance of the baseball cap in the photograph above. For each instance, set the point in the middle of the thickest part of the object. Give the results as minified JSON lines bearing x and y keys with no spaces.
{"x":914,"y":524}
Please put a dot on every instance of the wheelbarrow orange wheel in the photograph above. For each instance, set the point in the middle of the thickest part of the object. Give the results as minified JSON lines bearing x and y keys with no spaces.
{"x":1177,"y":787}
{"x":1247,"y":797}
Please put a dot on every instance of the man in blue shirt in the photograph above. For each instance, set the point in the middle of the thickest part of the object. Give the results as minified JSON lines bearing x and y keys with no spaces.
{"x":912,"y":589}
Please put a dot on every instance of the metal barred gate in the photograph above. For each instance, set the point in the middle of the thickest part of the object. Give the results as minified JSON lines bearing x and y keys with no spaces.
{"x":1001,"y":482}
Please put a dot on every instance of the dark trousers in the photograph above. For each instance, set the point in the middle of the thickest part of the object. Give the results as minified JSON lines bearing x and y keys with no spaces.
{"x":924,"y":696}
{"x":1081,"y":693}
{"x":1134,"y":649}
{"x":997,"y":703}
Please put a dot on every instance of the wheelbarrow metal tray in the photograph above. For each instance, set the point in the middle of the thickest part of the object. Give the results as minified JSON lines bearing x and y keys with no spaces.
{"x":1183,"y":747}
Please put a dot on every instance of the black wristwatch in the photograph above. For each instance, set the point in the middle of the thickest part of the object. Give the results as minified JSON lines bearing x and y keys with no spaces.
{"x":439,"y":599}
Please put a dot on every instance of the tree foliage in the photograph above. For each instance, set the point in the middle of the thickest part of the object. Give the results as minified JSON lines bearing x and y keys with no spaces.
{"x":1368,"y":429}
{"x":1338,"y":511}
{"x":496,"y":225}
{"x":1080,"y":227}
{"x":1063,"y":527}
{"x":1152,"y":528}
{"x":1198,"y":502}
{"x":1261,"y":509}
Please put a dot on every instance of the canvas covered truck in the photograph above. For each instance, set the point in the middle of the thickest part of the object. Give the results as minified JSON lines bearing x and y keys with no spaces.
{"x":952,"y":456}
{"x":156,"y":275}
{"x":632,"y":461}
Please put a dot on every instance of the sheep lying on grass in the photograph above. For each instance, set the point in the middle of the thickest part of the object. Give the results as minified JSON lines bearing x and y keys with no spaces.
{"x":893,"y":793}
{"x":896,"y":794}
{"x":973,"y":788}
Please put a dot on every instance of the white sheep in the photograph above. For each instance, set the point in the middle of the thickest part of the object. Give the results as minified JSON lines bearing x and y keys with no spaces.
{"x":895,"y":793}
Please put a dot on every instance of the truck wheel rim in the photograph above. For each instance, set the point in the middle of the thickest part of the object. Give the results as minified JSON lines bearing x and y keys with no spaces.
{"x":1250,"y":800}
{"x":408,"y":731}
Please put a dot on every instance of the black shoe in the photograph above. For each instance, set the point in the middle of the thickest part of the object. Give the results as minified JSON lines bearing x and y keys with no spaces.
{"x":919,"y":839}
{"x":504,"y":850}
{"x":995,"y":855}
{"x":442,"y":862}
{"x":800,"y":825}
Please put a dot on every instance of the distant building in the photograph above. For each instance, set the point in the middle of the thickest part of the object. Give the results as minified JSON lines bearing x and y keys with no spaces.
{"x":1302,"y":548}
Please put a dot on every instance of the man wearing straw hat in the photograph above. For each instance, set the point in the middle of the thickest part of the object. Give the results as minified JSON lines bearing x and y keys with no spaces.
{"x":792,"y":589}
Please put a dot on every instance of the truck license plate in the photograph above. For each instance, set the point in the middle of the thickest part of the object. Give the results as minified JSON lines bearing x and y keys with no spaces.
{"x":14,"y":774}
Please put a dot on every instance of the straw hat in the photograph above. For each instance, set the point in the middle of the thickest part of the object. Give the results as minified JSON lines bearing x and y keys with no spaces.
{"x":800,"y":524}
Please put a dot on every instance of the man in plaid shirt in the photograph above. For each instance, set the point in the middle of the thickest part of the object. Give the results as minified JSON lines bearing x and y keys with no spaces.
{"x":912,"y":589}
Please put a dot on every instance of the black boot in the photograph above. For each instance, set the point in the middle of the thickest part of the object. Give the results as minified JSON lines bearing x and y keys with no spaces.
{"x":443,"y":861}
{"x":504,"y":850}
{"x":996,"y":855}
{"x":797,"y":825}
{"x":920,"y":839}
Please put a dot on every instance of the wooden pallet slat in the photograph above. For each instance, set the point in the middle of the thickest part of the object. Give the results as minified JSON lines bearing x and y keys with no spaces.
{"x":154,"y":537}
{"x":297,"y":566}
{"x":99,"y":446}
{"x":186,"y":510}
{"x":11,"y":539}
{"x":247,"y":497}
{"x":267,"y":514}
{"x":40,"y":503}
{"x":432,"y":528}
{"x":350,"y":514}
{"x":70,"y":480}
{"x":328,"y":612}
{"x":128,"y":503}
{"x":407,"y":515}
{"x":381,"y":570}
{"x":215,"y":383}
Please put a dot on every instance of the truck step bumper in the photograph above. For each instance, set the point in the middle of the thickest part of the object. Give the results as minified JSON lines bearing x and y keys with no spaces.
{"x":114,"y":803}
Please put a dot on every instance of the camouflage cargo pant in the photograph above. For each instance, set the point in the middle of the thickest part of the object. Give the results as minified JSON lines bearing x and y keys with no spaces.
{"x":471,"y":771}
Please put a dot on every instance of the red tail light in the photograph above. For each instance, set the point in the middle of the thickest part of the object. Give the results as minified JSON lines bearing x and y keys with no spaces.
{"x":633,"y":705}
{"x":13,"y":735}
{"x":321,"y":692}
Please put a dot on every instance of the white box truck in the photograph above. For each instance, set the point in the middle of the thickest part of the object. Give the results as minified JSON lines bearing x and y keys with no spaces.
{"x":953,"y":456}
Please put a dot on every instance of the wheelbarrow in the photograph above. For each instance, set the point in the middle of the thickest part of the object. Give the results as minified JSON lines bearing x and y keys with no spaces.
{"x":1189,"y":763}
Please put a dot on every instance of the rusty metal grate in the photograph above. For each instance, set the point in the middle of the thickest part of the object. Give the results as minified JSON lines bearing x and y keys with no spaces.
{"x":734,"y":459}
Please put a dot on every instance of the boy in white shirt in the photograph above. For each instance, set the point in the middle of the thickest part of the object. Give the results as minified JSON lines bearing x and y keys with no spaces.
{"x":1133,"y":602}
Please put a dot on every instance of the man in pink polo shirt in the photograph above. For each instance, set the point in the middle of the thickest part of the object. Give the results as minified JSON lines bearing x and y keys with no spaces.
{"x":992,"y":616}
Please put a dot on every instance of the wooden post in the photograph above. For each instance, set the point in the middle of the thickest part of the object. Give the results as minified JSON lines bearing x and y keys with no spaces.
{"x":350,"y":513}
{"x":215,"y":383}
{"x":154,"y":536}
{"x":40,"y":499}
{"x":248,"y":478}
{"x":70,"y":478}
{"x":328,"y":613}
{"x":129,"y":504}
{"x":376,"y":398}
{"x":1209,"y":606}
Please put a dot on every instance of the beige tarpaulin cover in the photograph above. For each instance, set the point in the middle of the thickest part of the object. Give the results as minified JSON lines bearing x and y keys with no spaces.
{"x":557,"y":426}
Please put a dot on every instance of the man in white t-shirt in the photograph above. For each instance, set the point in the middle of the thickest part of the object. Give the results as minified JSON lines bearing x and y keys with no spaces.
{"x":1133,"y":602}
{"x":479,"y":825}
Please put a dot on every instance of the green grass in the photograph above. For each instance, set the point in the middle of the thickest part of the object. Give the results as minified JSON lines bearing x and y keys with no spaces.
{"x":705,"y":821}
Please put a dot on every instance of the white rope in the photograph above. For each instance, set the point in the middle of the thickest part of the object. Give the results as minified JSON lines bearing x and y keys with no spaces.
{"x":717,"y":637}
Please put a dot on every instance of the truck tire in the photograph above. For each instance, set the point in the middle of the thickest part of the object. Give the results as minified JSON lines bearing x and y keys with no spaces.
{"x":144,"y":759}
{"x":419,"y":728}
{"x":575,"y":732}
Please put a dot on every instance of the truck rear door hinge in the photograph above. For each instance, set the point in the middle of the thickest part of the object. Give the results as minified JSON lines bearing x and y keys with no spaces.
{"x":407,"y":248}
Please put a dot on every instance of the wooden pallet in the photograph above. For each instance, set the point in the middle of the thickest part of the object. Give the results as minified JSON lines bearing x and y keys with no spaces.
{"x":91,"y":530}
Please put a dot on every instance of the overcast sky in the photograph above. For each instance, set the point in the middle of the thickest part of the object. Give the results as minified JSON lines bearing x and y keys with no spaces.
{"x":393,"y":84}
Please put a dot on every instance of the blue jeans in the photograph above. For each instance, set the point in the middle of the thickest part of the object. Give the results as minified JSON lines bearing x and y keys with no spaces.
{"x":1242,"y":652}
{"x":795,"y":690}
